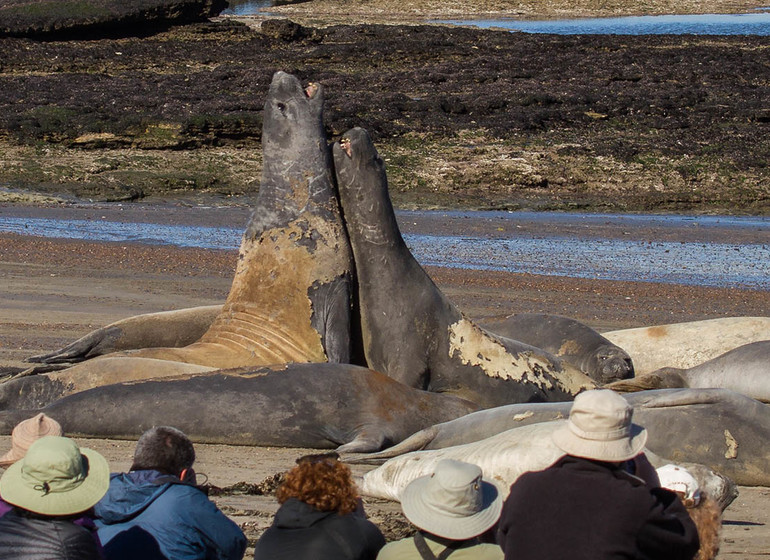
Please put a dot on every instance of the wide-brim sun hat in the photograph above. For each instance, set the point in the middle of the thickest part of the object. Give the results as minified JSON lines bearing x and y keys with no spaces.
{"x":600,"y":428}
{"x":56,"y":477}
{"x":26,"y":433}
{"x":454,"y":502}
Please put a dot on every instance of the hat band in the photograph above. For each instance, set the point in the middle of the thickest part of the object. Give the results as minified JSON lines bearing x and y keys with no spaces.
{"x":55,"y":484}
{"x":611,"y":435}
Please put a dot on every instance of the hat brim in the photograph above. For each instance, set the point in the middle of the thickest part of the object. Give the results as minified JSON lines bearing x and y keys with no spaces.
{"x":10,"y":458}
{"x":16,"y":491}
{"x":429,"y":519}
{"x":613,"y":451}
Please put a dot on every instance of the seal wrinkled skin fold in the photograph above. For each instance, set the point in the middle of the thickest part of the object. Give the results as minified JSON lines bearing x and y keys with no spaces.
{"x":410,"y":330}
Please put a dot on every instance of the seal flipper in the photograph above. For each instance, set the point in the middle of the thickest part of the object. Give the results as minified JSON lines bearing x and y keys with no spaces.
{"x":367,"y":440}
{"x":415,"y":442}
{"x":331,"y":317}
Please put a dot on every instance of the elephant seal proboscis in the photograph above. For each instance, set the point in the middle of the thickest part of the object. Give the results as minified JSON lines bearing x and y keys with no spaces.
{"x":290,"y":297}
{"x":721,"y":429}
{"x":293,"y":405}
{"x":745,"y":369}
{"x":411,"y":331}
{"x":570,"y":340}
{"x":684,"y":345}
{"x":504,"y":458}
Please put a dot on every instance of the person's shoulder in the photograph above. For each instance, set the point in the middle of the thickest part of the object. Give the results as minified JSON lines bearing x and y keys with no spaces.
{"x":401,"y":549}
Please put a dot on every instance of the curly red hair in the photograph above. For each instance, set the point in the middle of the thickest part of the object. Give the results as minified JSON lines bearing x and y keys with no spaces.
{"x":708,"y":519}
{"x":324,"y":483}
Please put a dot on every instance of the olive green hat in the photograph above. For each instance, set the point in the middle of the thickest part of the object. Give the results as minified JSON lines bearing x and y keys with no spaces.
{"x":56,"y":477}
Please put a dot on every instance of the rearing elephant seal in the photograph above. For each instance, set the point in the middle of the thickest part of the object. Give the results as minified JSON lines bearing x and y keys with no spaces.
{"x":290,"y":297}
{"x":572,"y":341}
{"x":410,"y":330}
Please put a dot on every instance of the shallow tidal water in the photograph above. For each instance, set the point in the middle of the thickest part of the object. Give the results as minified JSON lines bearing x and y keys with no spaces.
{"x":500,"y":243}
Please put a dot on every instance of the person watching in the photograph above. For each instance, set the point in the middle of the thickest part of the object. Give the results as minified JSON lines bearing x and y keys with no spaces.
{"x":51,"y":486}
{"x":156,"y":511}
{"x":589,"y":505}
{"x":320,"y":517}
{"x":453,"y":508}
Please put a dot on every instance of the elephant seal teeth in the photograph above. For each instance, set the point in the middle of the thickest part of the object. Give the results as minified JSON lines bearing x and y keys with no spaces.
{"x":311,"y":89}
{"x":346,"y":147}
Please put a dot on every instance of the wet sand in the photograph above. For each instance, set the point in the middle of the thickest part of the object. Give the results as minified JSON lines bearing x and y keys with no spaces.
{"x":55,"y":291}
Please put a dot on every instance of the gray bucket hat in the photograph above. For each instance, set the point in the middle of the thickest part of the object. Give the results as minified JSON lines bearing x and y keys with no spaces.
{"x":600,"y":428}
{"x":454,"y":502}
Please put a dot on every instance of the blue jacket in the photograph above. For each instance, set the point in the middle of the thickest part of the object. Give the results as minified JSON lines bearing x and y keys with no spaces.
{"x":149,"y":515}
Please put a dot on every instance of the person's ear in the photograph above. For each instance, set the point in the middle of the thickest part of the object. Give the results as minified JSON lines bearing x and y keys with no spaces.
{"x":187,"y":475}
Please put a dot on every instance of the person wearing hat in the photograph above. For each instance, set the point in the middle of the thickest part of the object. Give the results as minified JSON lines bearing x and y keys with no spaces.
{"x":587,"y":505}
{"x":156,"y":511}
{"x":703,"y":510}
{"x":25,"y":434}
{"x":452,"y":509}
{"x":54,"y":483}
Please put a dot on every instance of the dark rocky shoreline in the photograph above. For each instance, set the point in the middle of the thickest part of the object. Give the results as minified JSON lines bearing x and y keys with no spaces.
{"x":464,"y":117}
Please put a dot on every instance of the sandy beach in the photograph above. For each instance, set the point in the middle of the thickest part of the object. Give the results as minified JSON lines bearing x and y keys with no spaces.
{"x":55,"y":291}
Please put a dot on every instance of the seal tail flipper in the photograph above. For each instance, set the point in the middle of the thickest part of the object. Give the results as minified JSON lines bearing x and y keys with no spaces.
{"x":415,"y":442}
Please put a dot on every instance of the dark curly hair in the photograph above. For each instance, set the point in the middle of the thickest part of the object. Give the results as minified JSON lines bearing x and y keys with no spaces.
{"x":320,"y":481}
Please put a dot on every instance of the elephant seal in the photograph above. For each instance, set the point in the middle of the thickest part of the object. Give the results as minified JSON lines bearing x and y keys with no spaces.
{"x":722,"y":429}
{"x":745,"y":370}
{"x":293,"y":405}
{"x":290,"y":297}
{"x":150,"y":330}
{"x":504,"y":458}
{"x":410,"y":330}
{"x":570,"y":340}
{"x":684,"y":345}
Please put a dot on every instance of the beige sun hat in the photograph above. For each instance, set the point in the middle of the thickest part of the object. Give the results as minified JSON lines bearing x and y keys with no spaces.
{"x":600,"y":428}
{"x":55,"y":477}
{"x":454,"y":502}
{"x":26,"y":433}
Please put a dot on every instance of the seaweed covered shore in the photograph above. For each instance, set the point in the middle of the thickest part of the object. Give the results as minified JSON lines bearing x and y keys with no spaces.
{"x":464,"y":118}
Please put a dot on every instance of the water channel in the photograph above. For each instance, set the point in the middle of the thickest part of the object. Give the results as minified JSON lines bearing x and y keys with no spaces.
{"x":547,"y":243}
{"x":754,"y":23}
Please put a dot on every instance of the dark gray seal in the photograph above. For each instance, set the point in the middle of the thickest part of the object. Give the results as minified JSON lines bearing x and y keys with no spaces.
{"x":295,"y":405}
{"x":570,"y":340}
{"x":745,"y":369}
{"x":721,"y":429}
{"x":410,"y":330}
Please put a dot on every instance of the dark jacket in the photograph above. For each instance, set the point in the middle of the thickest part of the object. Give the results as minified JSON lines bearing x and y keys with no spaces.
{"x":32,"y":537}
{"x":301,"y":532}
{"x":149,"y":515}
{"x":589,"y":510}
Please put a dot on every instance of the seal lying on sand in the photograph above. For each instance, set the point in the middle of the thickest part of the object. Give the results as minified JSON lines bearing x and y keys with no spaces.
{"x":503,"y":458}
{"x":290,"y":297}
{"x":684,"y":345}
{"x":724,"y":430}
{"x":570,"y":340}
{"x":295,"y":405}
{"x":745,"y":369}
{"x":410,"y":330}
{"x":149,"y":330}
